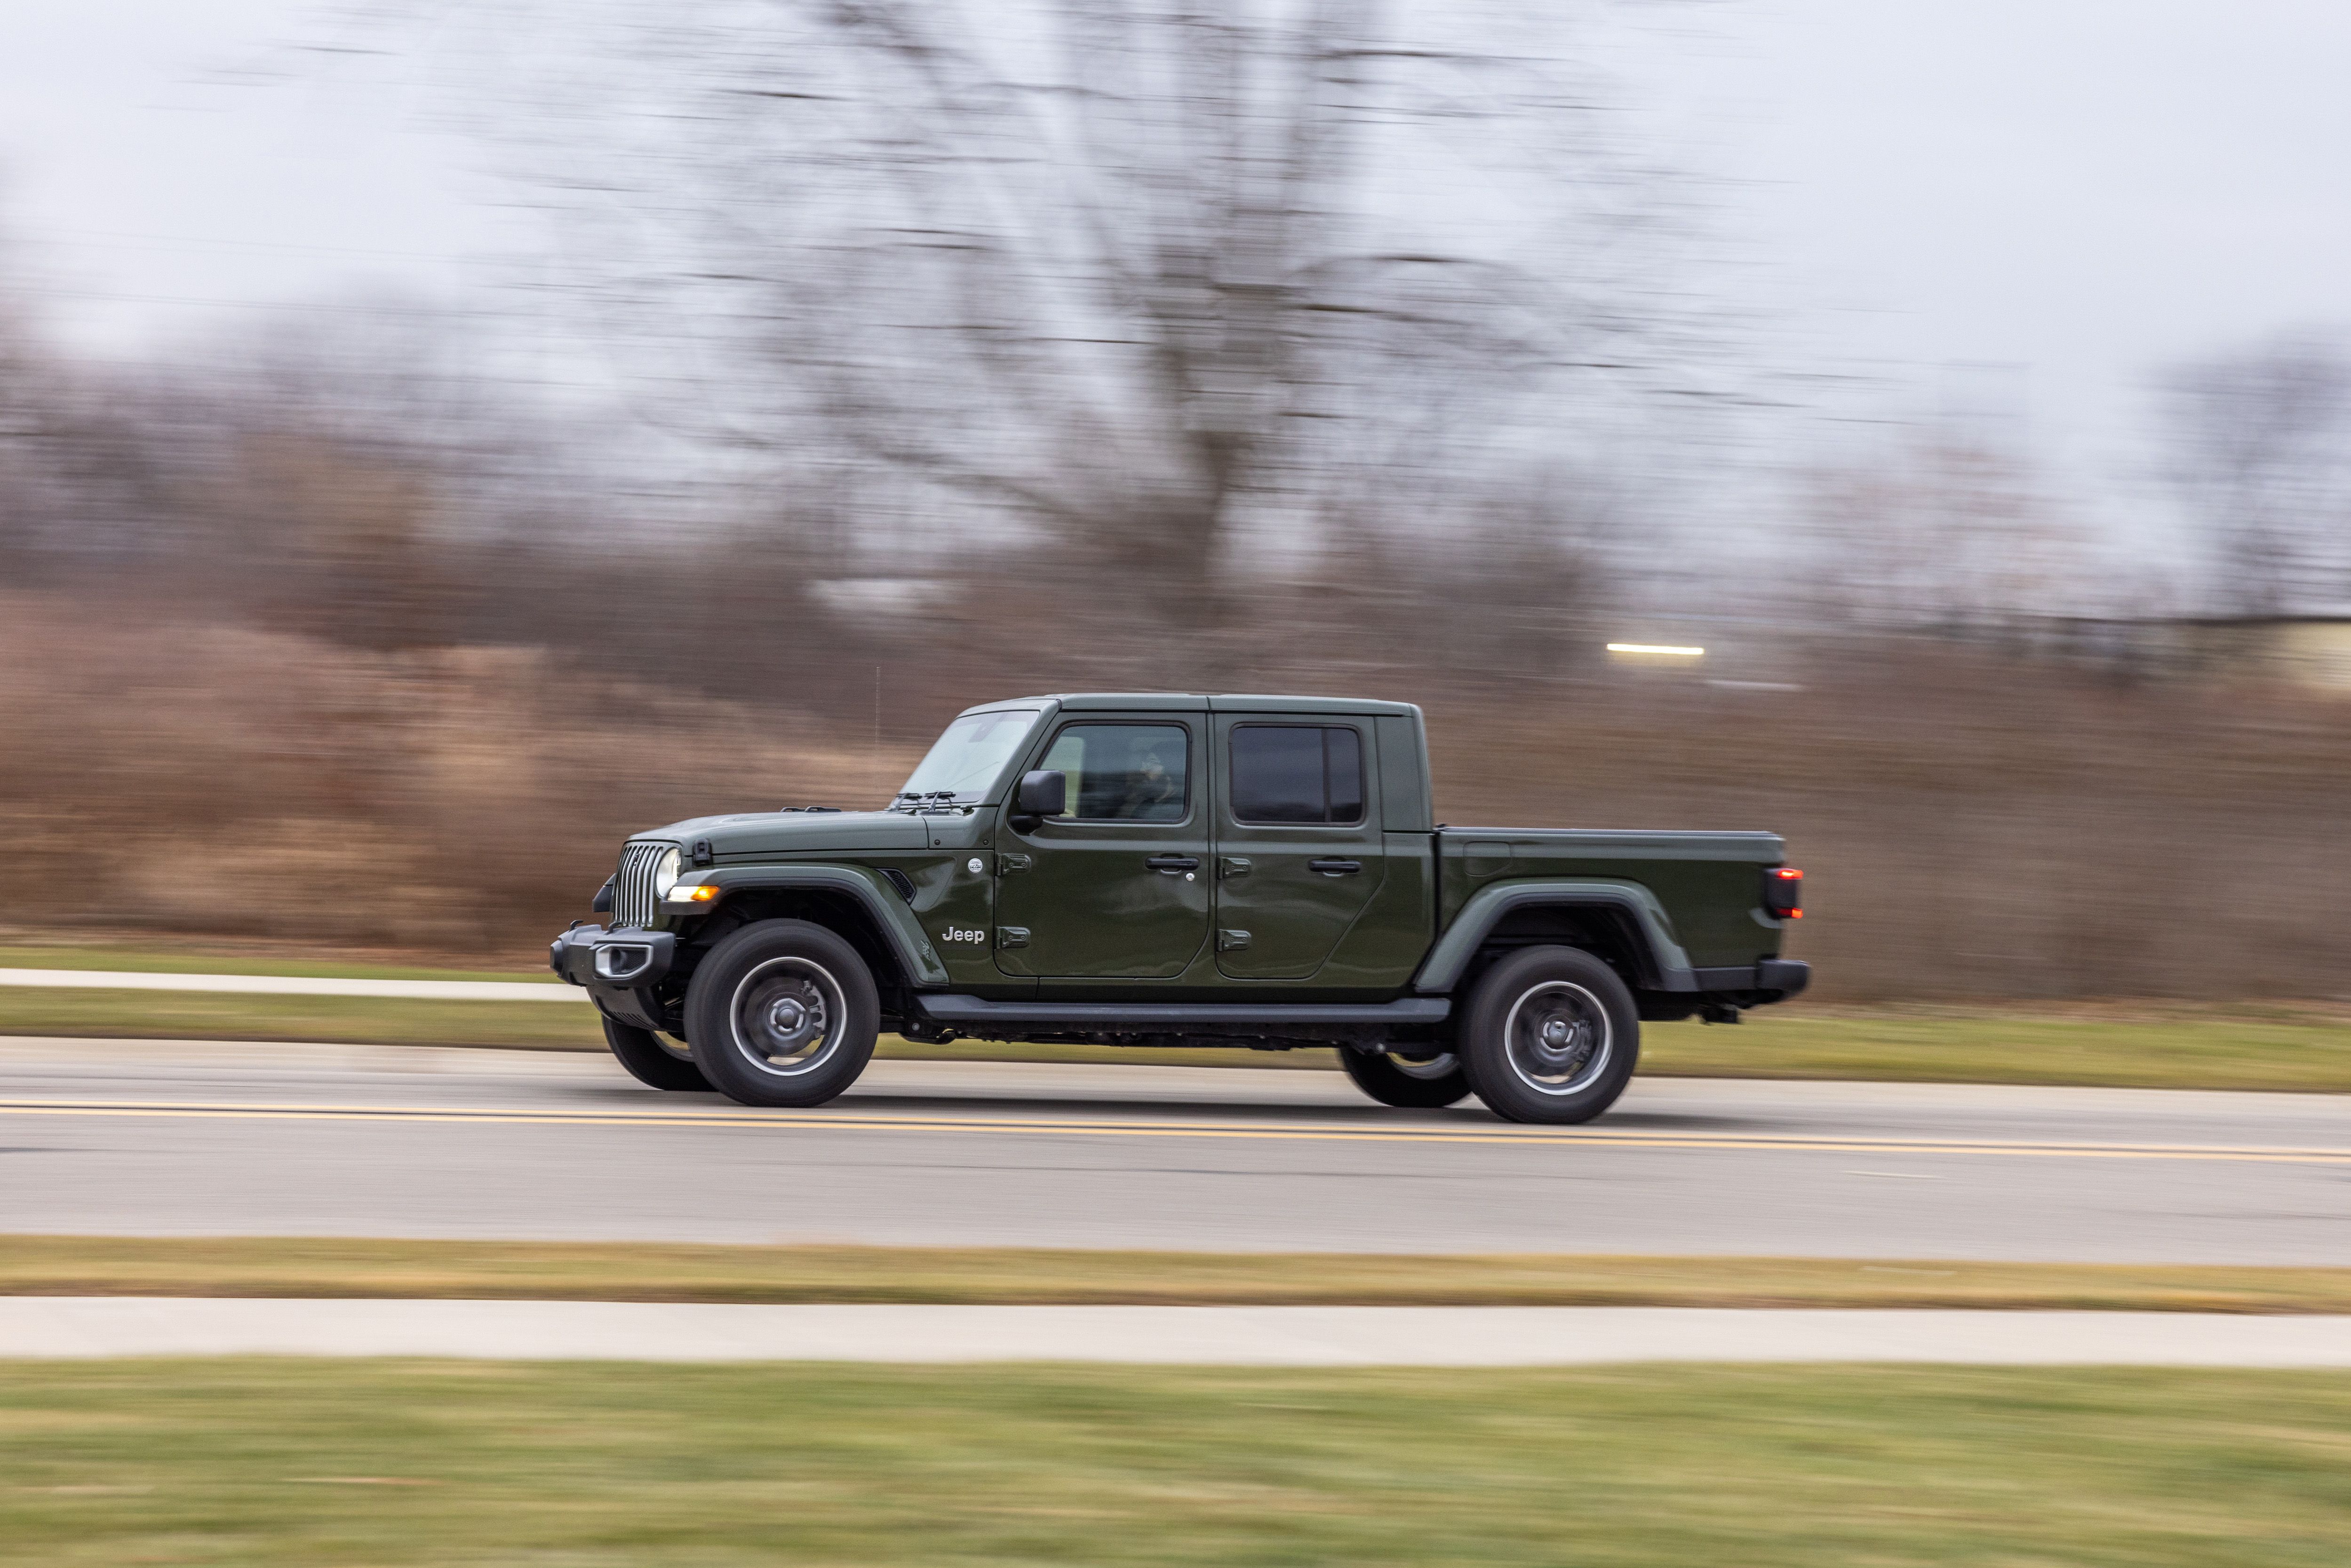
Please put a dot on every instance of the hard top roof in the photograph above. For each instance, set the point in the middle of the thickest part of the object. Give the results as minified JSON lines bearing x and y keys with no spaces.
{"x":1198,"y":702}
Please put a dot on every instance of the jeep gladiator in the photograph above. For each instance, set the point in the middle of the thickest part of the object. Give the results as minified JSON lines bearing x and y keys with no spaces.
{"x":1155,"y":869}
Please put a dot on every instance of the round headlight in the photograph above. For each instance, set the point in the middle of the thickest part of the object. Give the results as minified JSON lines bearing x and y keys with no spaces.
{"x":665,"y":874}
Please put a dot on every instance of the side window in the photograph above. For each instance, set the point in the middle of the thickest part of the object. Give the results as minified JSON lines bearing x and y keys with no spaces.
{"x":1124,"y":772}
{"x":1297,"y":773}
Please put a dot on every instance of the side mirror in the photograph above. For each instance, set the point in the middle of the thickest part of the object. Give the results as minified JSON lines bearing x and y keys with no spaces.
{"x":1041,"y":794}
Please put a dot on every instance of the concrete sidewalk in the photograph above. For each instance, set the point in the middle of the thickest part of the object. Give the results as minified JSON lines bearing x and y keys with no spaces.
{"x":550,"y":990}
{"x":81,"y":1326}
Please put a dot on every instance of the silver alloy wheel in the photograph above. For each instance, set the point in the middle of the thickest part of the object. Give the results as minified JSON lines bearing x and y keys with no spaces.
{"x":1558,"y":1038}
{"x":786,"y":1016}
{"x":1441,"y":1065}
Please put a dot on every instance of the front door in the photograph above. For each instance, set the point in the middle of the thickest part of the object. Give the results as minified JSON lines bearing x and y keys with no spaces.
{"x":1118,"y":885}
{"x":1299,"y":848}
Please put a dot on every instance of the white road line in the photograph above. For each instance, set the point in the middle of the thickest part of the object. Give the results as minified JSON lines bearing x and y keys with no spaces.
{"x":297,"y":985}
{"x":89,"y":1326}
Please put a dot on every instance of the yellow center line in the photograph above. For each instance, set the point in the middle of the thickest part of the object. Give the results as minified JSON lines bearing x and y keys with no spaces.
{"x":1279,"y":1132}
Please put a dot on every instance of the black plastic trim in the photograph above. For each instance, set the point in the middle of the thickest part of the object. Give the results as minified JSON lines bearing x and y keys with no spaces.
{"x":1778,"y":978}
{"x":1664,"y":967}
{"x":959,"y":1009}
{"x":573,"y":956}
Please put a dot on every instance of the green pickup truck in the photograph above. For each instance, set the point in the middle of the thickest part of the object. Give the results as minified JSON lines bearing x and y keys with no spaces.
{"x":1155,"y":869}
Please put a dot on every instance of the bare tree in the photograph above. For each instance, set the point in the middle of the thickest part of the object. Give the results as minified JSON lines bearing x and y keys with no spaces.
{"x":2259,"y":446}
{"x":1947,"y":533}
{"x":1123,"y":278}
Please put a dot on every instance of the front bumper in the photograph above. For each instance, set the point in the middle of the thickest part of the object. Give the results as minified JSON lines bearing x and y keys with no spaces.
{"x":622,"y":970}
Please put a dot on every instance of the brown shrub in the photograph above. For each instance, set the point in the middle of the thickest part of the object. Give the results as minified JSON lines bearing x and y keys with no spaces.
{"x":1972,"y":825}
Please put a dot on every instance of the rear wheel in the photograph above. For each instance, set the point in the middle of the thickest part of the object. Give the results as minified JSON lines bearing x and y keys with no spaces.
{"x":782,"y":1013}
{"x":651,"y":1061}
{"x":1421,"y":1079}
{"x":1551,"y":1034}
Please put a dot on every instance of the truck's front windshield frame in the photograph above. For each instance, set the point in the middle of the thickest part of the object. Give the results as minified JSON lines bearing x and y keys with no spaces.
{"x":969,"y":756}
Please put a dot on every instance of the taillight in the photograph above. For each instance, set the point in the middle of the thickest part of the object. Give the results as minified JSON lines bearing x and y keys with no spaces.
{"x":1783,"y":893}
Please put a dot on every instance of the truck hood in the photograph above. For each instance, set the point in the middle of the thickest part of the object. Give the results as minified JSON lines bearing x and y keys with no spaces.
{"x":763,"y":835}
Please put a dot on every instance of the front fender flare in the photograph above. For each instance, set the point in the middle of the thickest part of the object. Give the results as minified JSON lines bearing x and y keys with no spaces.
{"x":1442,"y":969}
{"x":890,"y":913}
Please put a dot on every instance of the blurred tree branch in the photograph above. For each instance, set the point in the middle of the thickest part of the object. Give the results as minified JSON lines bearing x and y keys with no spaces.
{"x":2260,"y":450}
{"x":1124,"y":275}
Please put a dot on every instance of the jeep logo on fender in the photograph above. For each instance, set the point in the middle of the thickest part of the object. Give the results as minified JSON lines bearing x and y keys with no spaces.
{"x":962,"y":934}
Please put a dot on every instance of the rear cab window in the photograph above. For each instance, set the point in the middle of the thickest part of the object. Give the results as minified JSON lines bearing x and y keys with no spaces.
{"x":1285,"y":774}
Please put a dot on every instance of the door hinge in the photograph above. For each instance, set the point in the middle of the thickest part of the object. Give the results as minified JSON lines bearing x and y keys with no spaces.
{"x":1012,"y":936}
{"x":1232,"y":941}
{"x":1006,"y":864}
{"x":1233,"y":865}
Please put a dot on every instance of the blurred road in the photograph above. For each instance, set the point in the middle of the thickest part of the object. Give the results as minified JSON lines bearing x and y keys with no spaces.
{"x":166,"y":1138}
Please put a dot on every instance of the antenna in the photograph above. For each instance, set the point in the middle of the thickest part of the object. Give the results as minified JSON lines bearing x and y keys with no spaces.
{"x":878,"y":779}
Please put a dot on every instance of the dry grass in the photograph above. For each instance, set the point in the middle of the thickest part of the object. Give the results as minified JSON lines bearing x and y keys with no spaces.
{"x":1974,"y":826}
{"x":260,"y":1462}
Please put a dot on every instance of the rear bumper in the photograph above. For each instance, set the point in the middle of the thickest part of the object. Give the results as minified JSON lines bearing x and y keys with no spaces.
{"x":620,"y":969}
{"x":1773,"y":981}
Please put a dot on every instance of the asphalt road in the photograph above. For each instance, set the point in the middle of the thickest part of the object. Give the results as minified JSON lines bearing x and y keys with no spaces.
{"x":164,"y":1138}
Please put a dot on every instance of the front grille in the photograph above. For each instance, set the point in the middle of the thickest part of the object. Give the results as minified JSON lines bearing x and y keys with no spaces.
{"x":633,"y":903}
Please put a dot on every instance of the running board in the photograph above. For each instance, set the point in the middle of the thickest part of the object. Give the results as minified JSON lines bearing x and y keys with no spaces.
{"x":957,"y":1009}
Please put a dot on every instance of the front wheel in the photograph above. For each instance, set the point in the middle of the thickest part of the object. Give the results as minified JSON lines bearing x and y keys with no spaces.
{"x":782,"y":1013}
{"x":1551,"y":1034}
{"x":649,"y":1061}
{"x":1423,"y":1080}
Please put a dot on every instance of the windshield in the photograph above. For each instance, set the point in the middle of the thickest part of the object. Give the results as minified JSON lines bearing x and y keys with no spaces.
{"x":969,"y":756}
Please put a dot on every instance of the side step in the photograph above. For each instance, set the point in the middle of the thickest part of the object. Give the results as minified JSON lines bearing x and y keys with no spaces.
{"x":964,"y":1010}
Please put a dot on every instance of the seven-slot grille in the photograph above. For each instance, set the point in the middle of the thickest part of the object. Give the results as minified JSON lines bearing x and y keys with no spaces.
{"x":633,"y":903}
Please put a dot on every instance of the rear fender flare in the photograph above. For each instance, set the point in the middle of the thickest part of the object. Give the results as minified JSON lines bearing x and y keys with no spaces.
{"x":1667,"y":966}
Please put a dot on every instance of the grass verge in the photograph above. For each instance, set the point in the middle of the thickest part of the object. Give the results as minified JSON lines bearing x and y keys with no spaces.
{"x":2114,"y":1045}
{"x":2146,"y":1045}
{"x":391,"y":1463}
{"x":270,"y":1266}
{"x":563,"y":1025}
{"x":2307,"y":1050}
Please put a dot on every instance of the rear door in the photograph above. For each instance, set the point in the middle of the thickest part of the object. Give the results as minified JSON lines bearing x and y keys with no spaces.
{"x":1119,"y":886}
{"x":1300,"y":851}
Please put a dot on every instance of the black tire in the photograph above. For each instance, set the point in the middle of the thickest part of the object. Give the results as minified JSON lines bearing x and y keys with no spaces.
{"x":782,"y":1013}
{"x":649,"y":1061}
{"x":1549,"y":1034}
{"x":1417,"y":1085}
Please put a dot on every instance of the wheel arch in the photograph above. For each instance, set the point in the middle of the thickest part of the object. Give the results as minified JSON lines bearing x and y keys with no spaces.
{"x":1621,"y":922}
{"x":849,"y":901}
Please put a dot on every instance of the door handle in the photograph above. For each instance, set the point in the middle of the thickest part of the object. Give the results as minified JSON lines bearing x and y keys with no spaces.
{"x":1006,"y":864}
{"x":1335,"y":868}
{"x":1233,"y":865}
{"x":1171,"y":864}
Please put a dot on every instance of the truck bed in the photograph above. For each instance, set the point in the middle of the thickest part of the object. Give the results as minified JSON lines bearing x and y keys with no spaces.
{"x":1708,"y":884}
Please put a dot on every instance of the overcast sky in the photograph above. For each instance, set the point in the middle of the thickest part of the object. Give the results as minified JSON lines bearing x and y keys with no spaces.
{"x":2018,"y":208}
